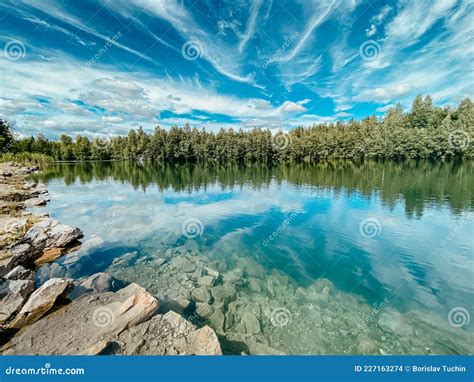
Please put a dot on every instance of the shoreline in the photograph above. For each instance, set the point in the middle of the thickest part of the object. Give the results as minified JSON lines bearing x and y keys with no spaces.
{"x":89,"y":316}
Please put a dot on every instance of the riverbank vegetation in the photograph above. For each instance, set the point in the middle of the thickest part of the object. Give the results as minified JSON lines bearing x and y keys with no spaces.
{"x":425,"y":132}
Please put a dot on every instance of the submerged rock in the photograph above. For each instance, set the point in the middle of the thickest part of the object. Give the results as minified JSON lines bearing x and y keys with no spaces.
{"x":224,"y":293}
{"x":204,"y":310}
{"x":201,"y":294}
{"x":97,"y":283}
{"x":169,"y":334}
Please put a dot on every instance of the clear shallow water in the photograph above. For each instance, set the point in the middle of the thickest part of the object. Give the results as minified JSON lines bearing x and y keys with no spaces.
{"x":332,"y":258}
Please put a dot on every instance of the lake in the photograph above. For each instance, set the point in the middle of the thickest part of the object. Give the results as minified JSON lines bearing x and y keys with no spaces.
{"x":329,"y":258}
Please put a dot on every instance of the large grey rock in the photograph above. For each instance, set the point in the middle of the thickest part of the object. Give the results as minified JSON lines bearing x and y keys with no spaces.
{"x":169,"y":334}
{"x":41,"y":301}
{"x":13,"y":294}
{"x":20,"y":273}
{"x":79,"y":327}
{"x":49,"y":233}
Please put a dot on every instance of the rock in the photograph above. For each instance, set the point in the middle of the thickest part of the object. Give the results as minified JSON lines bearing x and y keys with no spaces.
{"x":259,"y":348}
{"x":211,"y":272}
{"x":48,"y":256}
{"x":207,"y":281}
{"x":251,"y":323}
{"x":79,"y":326}
{"x":233,"y":277}
{"x":34,"y":202}
{"x":125,"y":259}
{"x":201,"y":294}
{"x":97,"y":283}
{"x":180,"y":303}
{"x":183,"y":264}
{"x":254,"y":285}
{"x":17,"y":254}
{"x":7,"y":262}
{"x":20,"y":273}
{"x":169,"y":334}
{"x":204,"y":310}
{"x":12,"y":226}
{"x":41,"y":301}
{"x":229,"y":320}
{"x":13,"y":294}
{"x":224,"y":293}
{"x":217,"y":321}
{"x":49,"y":233}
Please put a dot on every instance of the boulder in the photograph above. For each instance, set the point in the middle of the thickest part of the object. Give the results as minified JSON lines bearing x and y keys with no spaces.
{"x":34,"y":202}
{"x":207,"y":281}
{"x":49,"y":233}
{"x":224,"y":293}
{"x":78,"y":327}
{"x":13,"y":294}
{"x":41,"y":301}
{"x":20,"y":273}
{"x":251,"y":323}
{"x":183,"y":264}
{"x":201,"y":294}
{"x":48,"y":256}
{"x":169,"y":334}
{"x":204,"y":310}
{"x":97,"y":283}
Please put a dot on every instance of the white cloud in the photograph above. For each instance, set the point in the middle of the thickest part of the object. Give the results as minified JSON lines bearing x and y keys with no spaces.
{"x":292,"y":107}
{"x":112,"y":119}
{"x":383,"y":94}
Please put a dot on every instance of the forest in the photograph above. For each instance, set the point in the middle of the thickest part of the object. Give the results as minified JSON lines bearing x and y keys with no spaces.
{"x":425,"y":132}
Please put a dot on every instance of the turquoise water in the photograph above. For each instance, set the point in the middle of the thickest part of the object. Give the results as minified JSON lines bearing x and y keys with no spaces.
{"x":331,"y":258}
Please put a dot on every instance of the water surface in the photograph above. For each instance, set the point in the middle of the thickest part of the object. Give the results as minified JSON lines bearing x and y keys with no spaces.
{"x":337,"y":257}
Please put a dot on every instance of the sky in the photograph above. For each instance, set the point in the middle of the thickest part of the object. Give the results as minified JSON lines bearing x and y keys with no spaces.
{"x":102,"y":67}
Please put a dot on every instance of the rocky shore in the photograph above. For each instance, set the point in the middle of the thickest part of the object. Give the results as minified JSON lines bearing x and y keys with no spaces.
{"x":64,"y":316}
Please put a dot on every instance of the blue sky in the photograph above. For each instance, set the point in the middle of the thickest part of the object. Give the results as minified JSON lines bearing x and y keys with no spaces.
{"x":102,"y":67}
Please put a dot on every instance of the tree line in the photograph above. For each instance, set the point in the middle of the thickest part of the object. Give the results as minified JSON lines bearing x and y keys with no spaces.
{"x":425,"y":132}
